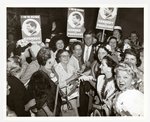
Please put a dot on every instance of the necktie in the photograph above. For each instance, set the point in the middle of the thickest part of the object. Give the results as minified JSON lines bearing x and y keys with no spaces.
{"x":86,"y":54}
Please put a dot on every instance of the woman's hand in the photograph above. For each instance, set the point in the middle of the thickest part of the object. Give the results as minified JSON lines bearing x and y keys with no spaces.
{"x":108,"y":103}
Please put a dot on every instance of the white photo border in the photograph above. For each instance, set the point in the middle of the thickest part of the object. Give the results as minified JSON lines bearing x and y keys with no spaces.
{"x":3,"y":25}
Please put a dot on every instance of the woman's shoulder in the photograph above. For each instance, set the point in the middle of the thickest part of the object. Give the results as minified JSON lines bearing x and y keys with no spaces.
{"x":58,"y":66}
{"x":14,"y":81}
{"x":101,"y":76}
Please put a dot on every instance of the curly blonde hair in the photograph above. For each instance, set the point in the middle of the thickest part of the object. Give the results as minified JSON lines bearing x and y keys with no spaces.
{"x":126,"y":67}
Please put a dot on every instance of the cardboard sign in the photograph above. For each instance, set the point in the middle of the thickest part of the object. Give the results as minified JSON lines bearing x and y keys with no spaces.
{"x":106,"y":18}
{"x":75,"y":23}
{"x":31,"y":28}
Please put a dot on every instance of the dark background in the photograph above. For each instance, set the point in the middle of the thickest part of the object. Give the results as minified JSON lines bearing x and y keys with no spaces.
{"x":130,"y":19}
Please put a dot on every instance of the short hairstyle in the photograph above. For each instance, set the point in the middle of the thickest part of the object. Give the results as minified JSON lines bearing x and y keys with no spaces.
{"x":43,"y":55}
{"x":125,"y":67}
{"x":135,"y":53}
{"x":134,"y":32}
{"x":52,"y":43}
{"x":58,"y":55}
{"x":33,"y":24}
{"x":91,"y":32}
{"x":77,"y":16}
{"x":75,"y":44}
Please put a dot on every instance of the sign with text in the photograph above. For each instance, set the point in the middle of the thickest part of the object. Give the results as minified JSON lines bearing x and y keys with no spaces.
{"x":106,"y":18}
{"x":31,"y":28}
{"x":75,"y":23}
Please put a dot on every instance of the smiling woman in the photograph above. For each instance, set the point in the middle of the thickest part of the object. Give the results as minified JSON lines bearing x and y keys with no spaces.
{"x":123,"y":103}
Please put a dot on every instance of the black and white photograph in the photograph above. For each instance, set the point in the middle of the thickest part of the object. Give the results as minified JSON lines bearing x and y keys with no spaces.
{"x":74,"y":62}
{"x":96,"y":71}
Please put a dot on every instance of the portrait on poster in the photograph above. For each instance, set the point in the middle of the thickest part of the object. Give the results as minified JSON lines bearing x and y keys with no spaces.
{"x":76,"y":19}
{"x":108,"y":13}
{"x":31,"y":28}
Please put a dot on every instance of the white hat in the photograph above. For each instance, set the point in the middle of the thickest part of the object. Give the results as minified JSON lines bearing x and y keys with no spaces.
{"x":117,"y":28}
{"x":35,"y":49}
{"x":131,"y":101}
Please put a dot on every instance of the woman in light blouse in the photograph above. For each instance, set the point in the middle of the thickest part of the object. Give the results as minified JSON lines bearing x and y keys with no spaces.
{"x":66,"y":74}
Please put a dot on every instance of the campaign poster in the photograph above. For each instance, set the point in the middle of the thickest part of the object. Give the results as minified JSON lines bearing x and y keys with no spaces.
{"x":31,"y":28}
{"x":106,"y":18}
{"x":75,"y":23}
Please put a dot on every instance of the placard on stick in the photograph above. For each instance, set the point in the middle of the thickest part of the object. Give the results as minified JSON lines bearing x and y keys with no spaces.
{"x":106,"y":18}
{"x":75,"y":23}
{"x":31,"y":28}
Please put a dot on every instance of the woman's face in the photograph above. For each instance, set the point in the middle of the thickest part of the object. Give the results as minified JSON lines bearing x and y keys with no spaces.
{"x":64,"y":57}
{"x":50,"y":62}
{"x":116,"y":34}
{"x":104,"y":67}
{"x":124,"y":80}
{"x":99,"y":35}
{"x":60,"y":44}
{"x":101,"y":53}
{"x":113,"y":43}
{"x":77,"y":51}
{"x":130,"y":59}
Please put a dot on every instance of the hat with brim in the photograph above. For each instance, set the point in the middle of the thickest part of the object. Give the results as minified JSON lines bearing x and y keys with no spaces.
{"x":117,"y":28}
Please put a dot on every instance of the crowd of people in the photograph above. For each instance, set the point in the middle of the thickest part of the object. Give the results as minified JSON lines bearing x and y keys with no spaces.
{"x":92,"y":76}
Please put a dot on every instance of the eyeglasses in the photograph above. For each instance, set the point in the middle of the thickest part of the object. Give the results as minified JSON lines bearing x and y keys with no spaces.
{"x":65,"y":56}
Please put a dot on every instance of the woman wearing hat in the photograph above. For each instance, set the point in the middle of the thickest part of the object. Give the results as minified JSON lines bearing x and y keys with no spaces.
{"x":117,"y":32}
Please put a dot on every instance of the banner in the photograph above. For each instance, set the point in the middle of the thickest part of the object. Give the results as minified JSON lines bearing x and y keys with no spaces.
{"x":106,"y":18}
{"x":31,"y":28}
{"x":75,"y":23}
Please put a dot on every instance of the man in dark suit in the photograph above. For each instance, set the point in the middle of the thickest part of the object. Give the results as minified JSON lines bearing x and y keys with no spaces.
{"x":88,"y":48}
{"x":86,"y":90}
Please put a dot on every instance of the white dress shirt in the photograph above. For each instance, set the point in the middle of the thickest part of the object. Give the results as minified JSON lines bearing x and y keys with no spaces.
{"x":89,"y":49}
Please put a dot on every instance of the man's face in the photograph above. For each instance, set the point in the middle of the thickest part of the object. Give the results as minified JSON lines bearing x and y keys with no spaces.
{"x":108,"y":11}
{"x":133,"y":37}
{"x":30,"y":28}
{"x":77,"y":51}
{"x":75,"y":20}
{"x":88,"y":39}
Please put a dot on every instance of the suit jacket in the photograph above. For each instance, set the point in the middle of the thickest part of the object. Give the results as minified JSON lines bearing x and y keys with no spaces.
{"x":91,"y":57}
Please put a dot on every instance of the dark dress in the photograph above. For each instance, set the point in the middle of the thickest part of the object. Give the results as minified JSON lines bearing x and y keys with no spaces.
{"x":16,"y":98}
{"x":44,"y":94}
